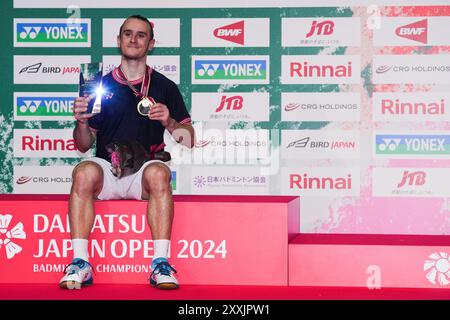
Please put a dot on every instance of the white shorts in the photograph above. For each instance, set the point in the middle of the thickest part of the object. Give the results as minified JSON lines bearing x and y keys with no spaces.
{"x":129,"y":187}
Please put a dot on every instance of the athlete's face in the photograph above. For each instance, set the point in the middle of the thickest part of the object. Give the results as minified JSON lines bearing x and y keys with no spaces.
{"x":134,"y":41}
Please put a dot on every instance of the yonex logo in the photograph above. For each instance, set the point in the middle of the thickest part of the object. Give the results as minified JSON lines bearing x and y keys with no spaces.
{"x":438,"y":268}
{"x":45,"y":106}
{"x":389,"y":144}
{"x":30,"y":105}
{"x":8,"y":235}
{"x":52,"y":32}
{"x":30,"y":32}
{"x":231,"y":69}
{"x":208,"y":69}
{"x":426,"y":144}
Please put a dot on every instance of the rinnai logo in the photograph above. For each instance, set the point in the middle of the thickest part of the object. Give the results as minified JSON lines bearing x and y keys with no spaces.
{"x":398,"y":107}
{"x":36,"y":143}
{"x":321,"y":28}
{"x":45,"y":143}
{"x":438,"y":268}
{"x":8,"y":235}
{"x":416,"y":31}
{"x":233,"y":32}
{"x":230,"y":103}
{"x":305,"y":182}
{"x":415,"y":178}
{"x":305,"y":70}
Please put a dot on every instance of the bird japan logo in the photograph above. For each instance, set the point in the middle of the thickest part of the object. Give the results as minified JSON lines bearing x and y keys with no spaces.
{"x":9,"y":233}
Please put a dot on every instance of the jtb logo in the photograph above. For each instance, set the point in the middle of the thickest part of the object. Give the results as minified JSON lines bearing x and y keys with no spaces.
{"x":416,"y":178}
{"x":321,"y":28}
{"x":231,"y":103}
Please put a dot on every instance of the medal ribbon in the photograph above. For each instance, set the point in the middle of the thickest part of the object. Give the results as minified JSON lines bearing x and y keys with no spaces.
{"x":145,"y":83}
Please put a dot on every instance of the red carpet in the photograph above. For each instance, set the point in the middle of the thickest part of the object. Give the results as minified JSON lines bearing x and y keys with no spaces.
{"x":192,"y":292}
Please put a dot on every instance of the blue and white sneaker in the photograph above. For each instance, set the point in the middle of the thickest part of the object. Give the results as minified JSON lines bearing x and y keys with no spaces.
{"x":77,"y":274}
{"x":163,"y":275}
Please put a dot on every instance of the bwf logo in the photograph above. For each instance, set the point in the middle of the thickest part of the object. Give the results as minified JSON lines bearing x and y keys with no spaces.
{"x":416,"y":31}
{"x":233,"y":32}
{"x":8,"y":235}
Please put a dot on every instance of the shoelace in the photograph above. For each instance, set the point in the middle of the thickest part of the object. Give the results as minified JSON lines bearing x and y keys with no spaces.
{"x":163,"y":268}
{"x":79,"y":264}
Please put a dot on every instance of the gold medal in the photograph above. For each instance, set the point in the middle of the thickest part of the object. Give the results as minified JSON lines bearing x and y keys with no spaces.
{"x":143,"y":107}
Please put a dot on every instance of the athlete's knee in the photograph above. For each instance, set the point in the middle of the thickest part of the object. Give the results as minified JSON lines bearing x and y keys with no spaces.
{"x":86,"y":175}
{"x":156,"y":176}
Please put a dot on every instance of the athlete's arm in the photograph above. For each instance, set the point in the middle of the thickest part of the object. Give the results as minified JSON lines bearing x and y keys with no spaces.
{"x":182,"y":133}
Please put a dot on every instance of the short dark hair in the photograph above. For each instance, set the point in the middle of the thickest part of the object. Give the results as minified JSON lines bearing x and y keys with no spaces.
{"x":142,"y":18}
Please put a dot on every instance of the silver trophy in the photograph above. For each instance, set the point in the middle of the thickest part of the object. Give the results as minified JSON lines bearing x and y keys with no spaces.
{"x":91,"y":84}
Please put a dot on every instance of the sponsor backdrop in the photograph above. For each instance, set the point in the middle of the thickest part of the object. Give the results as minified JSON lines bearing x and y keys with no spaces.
{"x":345,"y":105}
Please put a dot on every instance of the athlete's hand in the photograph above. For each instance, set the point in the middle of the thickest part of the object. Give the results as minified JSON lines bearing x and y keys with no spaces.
{"x":160,"y":112}
{"x":80,"y":107}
